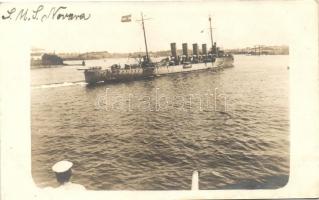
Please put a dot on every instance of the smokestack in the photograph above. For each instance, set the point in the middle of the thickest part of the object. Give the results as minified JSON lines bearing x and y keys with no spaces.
{"x":185,"y":53}
{"x":204,"y":49}
{"x":173,"y":50}
{"x":195,"y":49}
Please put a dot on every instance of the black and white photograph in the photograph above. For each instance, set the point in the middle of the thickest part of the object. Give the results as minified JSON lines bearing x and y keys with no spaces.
{"x":146,"y":99}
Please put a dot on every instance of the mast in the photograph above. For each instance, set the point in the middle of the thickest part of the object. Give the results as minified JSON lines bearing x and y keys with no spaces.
{"x":147,"y":57}
{"x":211,"y":32}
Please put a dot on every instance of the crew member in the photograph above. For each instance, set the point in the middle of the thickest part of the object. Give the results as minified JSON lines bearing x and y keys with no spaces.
{"x":63,"y":173}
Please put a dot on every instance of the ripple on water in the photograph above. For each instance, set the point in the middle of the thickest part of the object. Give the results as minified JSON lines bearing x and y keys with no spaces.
{"x":244,"y":147}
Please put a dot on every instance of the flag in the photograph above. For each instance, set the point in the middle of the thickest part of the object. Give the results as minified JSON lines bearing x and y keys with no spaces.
{"x":126,"y":18}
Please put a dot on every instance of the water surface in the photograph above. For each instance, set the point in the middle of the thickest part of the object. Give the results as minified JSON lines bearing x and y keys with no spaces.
{"x":157,"y":141}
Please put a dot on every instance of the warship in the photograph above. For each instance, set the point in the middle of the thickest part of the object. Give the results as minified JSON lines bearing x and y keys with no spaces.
{"x":214,"y":59}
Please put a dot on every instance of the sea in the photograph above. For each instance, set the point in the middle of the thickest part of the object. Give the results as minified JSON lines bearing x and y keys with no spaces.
{"x":232,"y":126}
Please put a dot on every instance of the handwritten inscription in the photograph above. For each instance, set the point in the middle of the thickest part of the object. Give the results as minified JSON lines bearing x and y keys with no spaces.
{"x":42,"y":14}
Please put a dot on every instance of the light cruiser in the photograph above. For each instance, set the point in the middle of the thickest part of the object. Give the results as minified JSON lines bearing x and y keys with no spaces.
{"x":214,"y":60}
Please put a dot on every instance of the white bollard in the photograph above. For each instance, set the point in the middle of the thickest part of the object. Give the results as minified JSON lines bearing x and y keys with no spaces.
{"x":195,"y":181}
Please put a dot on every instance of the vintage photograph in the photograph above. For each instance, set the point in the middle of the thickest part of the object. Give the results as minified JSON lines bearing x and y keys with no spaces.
{"x":159,"y":95}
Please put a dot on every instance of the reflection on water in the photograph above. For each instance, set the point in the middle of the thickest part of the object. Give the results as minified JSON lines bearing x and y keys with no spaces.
{"x":156,"y":138}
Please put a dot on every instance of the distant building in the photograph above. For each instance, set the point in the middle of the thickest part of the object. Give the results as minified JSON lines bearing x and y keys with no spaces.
{"x":51,"y":59}
{"x":261,"y":50}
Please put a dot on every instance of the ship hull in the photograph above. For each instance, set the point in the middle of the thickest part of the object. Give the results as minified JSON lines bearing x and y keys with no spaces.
{"x":122,"y":75}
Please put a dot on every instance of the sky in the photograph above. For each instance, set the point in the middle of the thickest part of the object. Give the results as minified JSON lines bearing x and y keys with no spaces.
{"x":236,"y":24}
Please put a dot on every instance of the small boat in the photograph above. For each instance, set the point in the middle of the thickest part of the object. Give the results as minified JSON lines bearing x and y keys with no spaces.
{"x":187,"y":65}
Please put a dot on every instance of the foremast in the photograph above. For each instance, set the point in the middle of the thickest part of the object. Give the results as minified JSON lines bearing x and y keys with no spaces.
{"x":147,"y":60}
{"x":143,"y":26}
{"x":211,"y":33}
